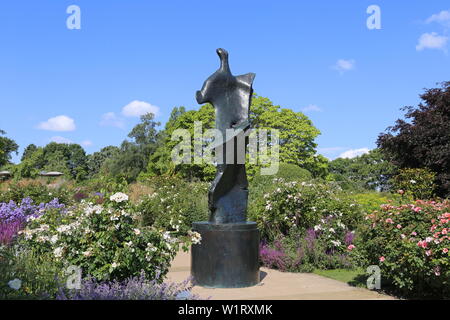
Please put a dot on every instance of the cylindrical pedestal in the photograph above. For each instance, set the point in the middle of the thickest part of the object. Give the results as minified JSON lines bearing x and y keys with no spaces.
{"x":228,"y":255}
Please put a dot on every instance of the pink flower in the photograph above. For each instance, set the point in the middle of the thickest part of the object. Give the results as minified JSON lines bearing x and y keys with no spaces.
{"x":437,"y":271}
{"x":403,"y":236}
{"x":382,"y":259}
{"x":445,"y":250}
{"x":401,"y":192}
{"x":428,"y":253}
{"x":389,"y":220}
{"x":399,"y":226}
{"x":417,"y":209}
{"x":422,"y":244}
{"x":351,"y":247}
{"x":414,"y":233}
{"x":429,"y":239}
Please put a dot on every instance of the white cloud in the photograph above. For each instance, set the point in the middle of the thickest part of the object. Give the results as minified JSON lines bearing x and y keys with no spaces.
{"x":431,"y":41}
{"x":312,"y":108}
{"x":343,"y":65}
{"x":59,"y":139}
{"x":59,"y":123}
{"x":442,"y":17}
{"x":86,"y":143}
{"x":138,"y":108}
{"x":110,"y":119}
{"x":353,"y":153}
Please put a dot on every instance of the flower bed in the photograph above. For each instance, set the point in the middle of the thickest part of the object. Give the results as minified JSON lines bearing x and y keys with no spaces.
{"x":410,"y":243}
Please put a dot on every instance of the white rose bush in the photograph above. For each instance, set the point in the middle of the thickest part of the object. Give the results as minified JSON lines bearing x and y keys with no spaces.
{"x":106,"y":241}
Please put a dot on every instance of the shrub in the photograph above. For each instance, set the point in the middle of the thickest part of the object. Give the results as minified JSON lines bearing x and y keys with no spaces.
{"x":37,"y":274}
{"x":410,"y":243}
{"x":419,"y":183}
{"x":13,"y":217}
{"x":133,"y":288}
{"x":35,"y":190}
{"x":175,"y":206}
{"x":104,"y":240}
{"x":295,"y":207}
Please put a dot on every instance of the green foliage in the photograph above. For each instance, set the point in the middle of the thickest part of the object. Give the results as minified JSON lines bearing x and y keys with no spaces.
{"x":105,"y":241}
{"x":369,"y":171}
{"x":134,"y":155}
{"x":96,"y":160}
{"x":422,"y":139}
{"x":70,"y":159}
{"x":39,"y":275}
{"x":7,"y":146}
{"x":419,"y":183}
{"x":175,"y":204}
{"x":295,"y":207}
{"x":410,"y":244}
{"x":371,"y":201}
{"x":37,"y":191}
{"x":296,"y":133}
{"x":161,"y":161}
{"x":297,"y":136}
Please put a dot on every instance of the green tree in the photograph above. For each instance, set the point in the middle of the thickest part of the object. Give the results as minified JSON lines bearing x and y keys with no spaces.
{"x":134,"y":155}
{"x":96,"y":160}
{"x":29,"y":150}
{"x":7,"y":146}
{"x":297,"y":135}
{"x":369,"y":171}
{"x":422,"y":140}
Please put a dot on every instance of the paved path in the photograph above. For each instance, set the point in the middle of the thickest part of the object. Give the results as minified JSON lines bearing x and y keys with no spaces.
{"x":276,"y":285}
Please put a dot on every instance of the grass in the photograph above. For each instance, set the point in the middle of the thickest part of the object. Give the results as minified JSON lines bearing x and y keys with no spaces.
{"x":355,"y":277}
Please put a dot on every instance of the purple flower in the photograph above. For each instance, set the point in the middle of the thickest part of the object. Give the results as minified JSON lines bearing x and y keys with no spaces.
{"x":134,"y":288}
{"x":13,"y":217}
{"x":272,"y":258}
{"x":349,"y":237}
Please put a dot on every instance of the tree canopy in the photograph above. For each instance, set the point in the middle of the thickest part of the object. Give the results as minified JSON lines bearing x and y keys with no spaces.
{"x":7,"y":147}
{"x":296,"y":133}
{"x":369,"y":171}
{"x":422,"y":140}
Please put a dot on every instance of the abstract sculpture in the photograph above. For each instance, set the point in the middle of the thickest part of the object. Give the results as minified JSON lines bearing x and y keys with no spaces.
{"x":231,"y":97}
{"x":227,"y":256}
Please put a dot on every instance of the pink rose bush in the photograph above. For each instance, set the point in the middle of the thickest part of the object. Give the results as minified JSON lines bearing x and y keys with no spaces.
{"x":410,"y":244}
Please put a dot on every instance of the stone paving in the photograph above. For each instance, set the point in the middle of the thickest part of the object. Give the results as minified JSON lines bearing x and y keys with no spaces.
{"x":276,"y":285}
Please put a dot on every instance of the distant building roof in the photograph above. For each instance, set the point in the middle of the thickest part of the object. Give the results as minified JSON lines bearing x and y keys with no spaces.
{"x":50,"y":174}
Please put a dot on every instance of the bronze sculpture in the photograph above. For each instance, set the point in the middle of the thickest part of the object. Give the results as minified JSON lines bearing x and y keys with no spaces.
{"x":228,"y":255}
{"x":231,"y":97}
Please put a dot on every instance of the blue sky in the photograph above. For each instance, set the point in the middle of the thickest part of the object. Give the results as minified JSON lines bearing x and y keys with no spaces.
{"x":88,"y":86}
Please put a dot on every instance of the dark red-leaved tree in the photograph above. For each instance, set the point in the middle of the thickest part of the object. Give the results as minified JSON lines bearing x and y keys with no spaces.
{"x":423,"y":139}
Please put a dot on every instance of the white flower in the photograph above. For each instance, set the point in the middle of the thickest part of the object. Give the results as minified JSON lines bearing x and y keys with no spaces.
{"x":115,"y":265}
{"x":413,"y":181}
{"x":332,"y":230}
{"x":87,"y":253}
{"x":119,"y":197}
{"x":137,"y":231}
{"x":318,"y":227}
{"x":15,"y":284}
{"x":63,"y":228}
{"x":336,"y":243}
{"x":58,"y":252}
{"x":54,"y":239}
{"x":195,"y":237}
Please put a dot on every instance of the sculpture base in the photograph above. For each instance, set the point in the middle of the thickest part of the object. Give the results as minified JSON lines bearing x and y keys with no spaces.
{"x":228,"y":255}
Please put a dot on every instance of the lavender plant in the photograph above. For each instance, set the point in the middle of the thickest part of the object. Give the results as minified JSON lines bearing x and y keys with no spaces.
{"x":133,"y":288}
